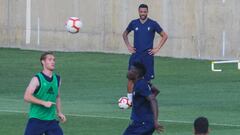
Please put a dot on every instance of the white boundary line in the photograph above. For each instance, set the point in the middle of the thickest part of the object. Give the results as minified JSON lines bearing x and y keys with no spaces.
{"x":11,"y":100}
{"x":223,"y":62}
{"x":124,"y":118}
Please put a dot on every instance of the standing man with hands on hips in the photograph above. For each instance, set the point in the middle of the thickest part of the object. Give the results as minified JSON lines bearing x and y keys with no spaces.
{"x":143,"y":50}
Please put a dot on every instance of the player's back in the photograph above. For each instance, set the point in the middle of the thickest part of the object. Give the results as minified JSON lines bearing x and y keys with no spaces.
{"x":141,"y":109}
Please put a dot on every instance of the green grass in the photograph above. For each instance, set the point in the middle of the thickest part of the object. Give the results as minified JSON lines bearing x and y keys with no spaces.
{"x":93,"y":82}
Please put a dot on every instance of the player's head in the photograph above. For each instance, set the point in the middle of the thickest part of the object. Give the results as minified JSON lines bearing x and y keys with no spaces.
{"x":143,"y":11}
{"x":136,"y":71}
{"x":47,"y":60}
{"x":201,"y":126}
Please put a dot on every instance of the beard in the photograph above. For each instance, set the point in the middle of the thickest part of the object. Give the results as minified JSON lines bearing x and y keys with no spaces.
{"x":143,"y":17}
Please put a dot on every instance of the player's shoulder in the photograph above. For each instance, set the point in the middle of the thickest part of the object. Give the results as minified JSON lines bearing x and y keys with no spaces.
{"x":141,"y":83}
{"x":152,"y":21}
{"x":37,"y":76}
{"x":134,"y":21}
{"x":35,"y":80}
{"x":58,"y":77}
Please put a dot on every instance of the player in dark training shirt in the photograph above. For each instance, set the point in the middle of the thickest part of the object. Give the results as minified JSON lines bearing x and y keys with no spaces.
{"x":144,"y":114}
{"x":142,"y":49}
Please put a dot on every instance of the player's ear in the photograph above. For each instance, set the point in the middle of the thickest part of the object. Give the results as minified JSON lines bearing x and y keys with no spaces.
{"x":42,"y":61}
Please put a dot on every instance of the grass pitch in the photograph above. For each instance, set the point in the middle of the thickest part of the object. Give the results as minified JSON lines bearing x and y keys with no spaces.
{"x":93,"y":82}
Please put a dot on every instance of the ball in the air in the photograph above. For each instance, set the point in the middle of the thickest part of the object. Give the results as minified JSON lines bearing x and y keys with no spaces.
{"x":73,"y":25}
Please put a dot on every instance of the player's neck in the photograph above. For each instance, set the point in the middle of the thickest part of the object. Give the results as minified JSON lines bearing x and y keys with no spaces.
{"x":47,"y":72}
{"x":143,"y":21}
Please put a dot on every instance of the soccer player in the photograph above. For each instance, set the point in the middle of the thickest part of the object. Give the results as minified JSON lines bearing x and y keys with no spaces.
{"x":44,"y":96}
{"x":143,"y":50}
{"x":144,"y":106}
{"x":201,"y":126}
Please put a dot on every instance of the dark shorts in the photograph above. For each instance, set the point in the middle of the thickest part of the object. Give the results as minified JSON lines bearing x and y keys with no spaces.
{"x":140,"y":128}
{"x":147,"y":60}
{"x":40,"y":127}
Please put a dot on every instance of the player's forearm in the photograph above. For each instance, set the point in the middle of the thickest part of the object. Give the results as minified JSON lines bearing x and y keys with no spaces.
{"x":162,"y":41}
{"x":154,"y":106}
{"x":31,"y":99}
{"x":125,"y":38}
{"x":58,"y":104}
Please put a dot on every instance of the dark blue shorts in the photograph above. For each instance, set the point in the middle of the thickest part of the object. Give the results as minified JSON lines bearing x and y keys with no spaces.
{"x":140,"y":128}
{"x":40,"y":127}
{"x":147,"y":60}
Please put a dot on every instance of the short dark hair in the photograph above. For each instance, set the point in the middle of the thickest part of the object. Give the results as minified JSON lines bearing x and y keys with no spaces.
{"x":143,"y":6}
{"x":140,"y":68}
{"x":43,"y":56}
{"x":201,"y":125}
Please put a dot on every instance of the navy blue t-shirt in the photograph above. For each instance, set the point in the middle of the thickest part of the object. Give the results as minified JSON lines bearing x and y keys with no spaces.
{"x":141,"y":109}
{"x":144,"y":33}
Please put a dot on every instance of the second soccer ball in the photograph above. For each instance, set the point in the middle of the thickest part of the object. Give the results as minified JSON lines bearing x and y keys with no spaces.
{"x":123,"y":103}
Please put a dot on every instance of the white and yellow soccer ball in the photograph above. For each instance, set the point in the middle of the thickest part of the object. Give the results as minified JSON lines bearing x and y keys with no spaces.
{"x":123,"y":103}
{"x":73,"y":25}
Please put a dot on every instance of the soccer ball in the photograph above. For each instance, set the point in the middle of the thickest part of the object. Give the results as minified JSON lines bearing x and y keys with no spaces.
{"x":123,"y":103}
{"x":73,"y":25}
